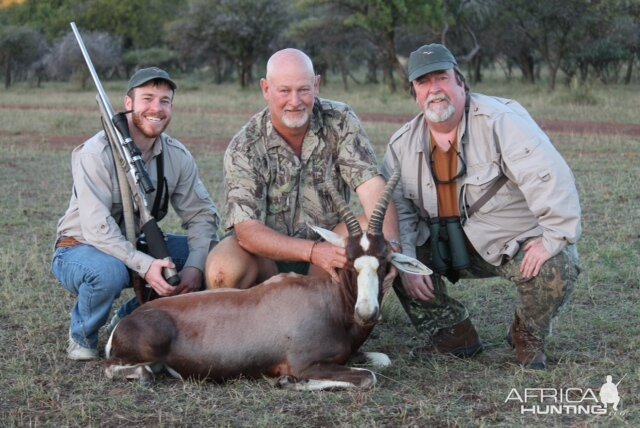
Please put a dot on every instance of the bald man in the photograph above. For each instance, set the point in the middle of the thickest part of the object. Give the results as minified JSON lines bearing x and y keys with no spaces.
{"x":274,"y":170}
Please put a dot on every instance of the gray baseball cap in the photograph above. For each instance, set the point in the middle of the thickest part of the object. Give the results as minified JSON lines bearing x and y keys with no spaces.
{"x":430,"y":58}
{"x":145,"y":75}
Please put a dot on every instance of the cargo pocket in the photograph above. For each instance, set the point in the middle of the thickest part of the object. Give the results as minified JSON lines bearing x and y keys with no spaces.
{"x":479,"y":180}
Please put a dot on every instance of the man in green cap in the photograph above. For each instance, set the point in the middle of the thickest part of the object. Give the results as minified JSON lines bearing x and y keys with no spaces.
{"x":92,"y":255}
{"x":483,"y":193}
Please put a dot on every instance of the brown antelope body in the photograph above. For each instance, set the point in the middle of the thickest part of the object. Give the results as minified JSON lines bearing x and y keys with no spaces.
{"x":299,"y":329}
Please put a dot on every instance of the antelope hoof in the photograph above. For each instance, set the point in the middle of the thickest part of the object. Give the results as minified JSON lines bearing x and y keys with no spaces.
{"x":143,"y":373}
{"x":286,"y":381}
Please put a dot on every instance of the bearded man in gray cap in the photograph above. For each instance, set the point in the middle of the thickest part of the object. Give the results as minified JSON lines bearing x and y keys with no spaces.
{"x":483,"y":193}
{"x":92,"y":256}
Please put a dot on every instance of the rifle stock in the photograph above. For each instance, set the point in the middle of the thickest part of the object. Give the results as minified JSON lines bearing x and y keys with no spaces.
{"x":130,"y":160}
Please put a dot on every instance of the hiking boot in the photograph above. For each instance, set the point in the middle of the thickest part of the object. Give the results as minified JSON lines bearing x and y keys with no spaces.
{"x":77,"y":352}
{"x":529,"y":349}
{"x":460,"y":340}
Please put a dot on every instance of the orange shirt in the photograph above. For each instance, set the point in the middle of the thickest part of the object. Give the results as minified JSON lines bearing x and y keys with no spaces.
{"x":445,"y":166}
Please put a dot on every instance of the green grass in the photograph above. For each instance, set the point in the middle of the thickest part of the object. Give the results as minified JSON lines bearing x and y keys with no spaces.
{"x":598,"y":334}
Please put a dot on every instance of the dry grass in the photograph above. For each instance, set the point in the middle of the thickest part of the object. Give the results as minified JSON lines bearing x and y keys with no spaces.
{"x":598,"y":335}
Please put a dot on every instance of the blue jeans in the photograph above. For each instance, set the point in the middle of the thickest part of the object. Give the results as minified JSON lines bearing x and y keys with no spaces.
{"x":97,"y":279}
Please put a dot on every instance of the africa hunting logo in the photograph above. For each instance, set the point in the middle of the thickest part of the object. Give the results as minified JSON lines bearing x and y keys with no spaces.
{"x":567,"y":401}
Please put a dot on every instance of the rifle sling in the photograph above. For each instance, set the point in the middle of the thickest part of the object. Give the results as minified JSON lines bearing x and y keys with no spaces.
{"x":162,"y":188}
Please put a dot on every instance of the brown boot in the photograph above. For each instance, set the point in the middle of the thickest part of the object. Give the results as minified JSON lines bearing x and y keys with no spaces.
{"x":529,"y":349}
{"x":460,"y":340}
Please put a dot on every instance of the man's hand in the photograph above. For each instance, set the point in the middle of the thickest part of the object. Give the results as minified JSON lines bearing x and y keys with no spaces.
{"x":535,"y":254}
{"x":387,"y":282}
{"x":419,"y":287}
{"x":190,"y":280}
{"x":329,"y":257}
{"x":156,"y":280}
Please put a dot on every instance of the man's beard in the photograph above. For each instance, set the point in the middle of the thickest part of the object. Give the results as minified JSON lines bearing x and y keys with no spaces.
{"x":295,"y":122}
{"x":439,"y":115}
{"x":140,"y":123}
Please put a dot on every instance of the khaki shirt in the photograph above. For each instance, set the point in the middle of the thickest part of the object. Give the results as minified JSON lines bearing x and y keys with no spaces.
{"x":95,"y":214}
{"x":539,"y":199}
{"x":266,"y":181}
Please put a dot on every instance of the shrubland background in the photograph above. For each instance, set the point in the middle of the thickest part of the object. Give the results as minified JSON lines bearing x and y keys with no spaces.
{"x":230,"y":40}
{"x":598,"y":334}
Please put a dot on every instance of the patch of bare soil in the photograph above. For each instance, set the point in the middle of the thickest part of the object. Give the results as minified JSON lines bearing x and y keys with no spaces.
{"x":550,"y":126}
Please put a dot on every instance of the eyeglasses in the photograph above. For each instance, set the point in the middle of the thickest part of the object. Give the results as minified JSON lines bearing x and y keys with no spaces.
{"x":461,"y":173}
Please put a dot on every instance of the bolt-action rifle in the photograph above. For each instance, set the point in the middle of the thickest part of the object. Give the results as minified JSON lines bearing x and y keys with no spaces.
{"x":130,"y":160}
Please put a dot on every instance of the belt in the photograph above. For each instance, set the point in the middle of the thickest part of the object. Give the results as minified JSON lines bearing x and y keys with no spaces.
{"x":67,"y":241}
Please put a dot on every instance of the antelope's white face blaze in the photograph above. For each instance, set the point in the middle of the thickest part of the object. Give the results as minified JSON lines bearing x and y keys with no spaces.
{"x":367,"y":309}
{"x":364,"y":243}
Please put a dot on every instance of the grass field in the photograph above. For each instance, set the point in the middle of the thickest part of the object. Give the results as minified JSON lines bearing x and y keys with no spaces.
{"x":598,"y":334}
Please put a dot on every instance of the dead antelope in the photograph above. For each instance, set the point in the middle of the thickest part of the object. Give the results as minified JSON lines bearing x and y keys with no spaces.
{"x":299,"y":329}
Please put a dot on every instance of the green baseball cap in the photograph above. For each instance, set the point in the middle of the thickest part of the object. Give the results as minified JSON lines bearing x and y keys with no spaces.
{"x":430,"y":58}
{"x":144,"y":75}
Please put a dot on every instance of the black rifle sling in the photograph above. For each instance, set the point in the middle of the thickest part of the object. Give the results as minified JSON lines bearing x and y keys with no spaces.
{"x":162,"y":188}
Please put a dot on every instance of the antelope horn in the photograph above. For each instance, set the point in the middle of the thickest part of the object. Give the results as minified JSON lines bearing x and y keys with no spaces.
{"x":353,"y":225}
{"x":377,"y":217}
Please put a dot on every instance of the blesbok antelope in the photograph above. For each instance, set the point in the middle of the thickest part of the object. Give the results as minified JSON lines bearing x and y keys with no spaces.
{"x":299,"y":329}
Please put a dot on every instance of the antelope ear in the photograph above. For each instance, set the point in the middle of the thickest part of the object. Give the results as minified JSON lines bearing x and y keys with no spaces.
{"x":330,"y":236}
{"x":409,"y":264}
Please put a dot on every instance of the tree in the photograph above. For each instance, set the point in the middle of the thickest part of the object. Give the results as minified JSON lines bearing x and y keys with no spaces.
{"x":627,"y":27}
{"x":380,"y":20}
{"x":332,"y":45}
{"x":139,"y":23}
{"x":65,"y":59}
{"x":20,"y":46}
{"x":606,"y":46}
{"x":466,"y":23}
{"x":239,"y":30}
{"x":49,"y":16}
{"x":512,"y":47}
{"x":553,"y":27}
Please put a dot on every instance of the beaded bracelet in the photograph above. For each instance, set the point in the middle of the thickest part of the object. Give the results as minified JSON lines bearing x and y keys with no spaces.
{"x":311,"y":250}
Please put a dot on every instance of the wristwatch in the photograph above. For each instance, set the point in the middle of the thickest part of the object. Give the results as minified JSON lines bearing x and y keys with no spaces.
{"x":396,"y":245}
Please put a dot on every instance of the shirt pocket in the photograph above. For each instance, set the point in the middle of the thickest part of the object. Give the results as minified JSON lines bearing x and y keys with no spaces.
{"x":477,"y":183}
{"x":522,"y":151}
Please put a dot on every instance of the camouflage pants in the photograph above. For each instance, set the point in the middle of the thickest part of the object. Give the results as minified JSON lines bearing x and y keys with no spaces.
{"x":539,"y":298}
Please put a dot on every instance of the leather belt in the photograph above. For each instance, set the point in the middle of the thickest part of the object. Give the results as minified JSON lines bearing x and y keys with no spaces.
{"x":67,"y":241}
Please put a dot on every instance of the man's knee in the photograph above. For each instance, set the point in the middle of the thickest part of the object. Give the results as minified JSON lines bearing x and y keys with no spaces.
{"x":560,"y":274}
{"x":90,"y":267}
{"x":542,"y":298}
{"x":229,"y":266}
{"x":111,"y":275}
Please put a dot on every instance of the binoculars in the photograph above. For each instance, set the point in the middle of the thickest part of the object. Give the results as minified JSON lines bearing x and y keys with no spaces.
{"x":448,"y":245}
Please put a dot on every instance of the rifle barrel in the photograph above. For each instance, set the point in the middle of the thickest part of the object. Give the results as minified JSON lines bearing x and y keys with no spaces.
{"x":92,"y":70}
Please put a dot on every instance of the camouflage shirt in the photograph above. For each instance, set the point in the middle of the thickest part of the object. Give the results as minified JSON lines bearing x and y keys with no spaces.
{"x":266,"y":181}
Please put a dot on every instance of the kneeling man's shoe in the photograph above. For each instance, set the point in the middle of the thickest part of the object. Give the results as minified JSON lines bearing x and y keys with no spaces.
{"x":77,"y":352}
{"x":460,"y":340}
{"x":529,"y":349}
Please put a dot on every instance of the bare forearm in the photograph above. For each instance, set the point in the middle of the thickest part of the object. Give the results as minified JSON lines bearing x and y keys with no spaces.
{"x":261,"y":240}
